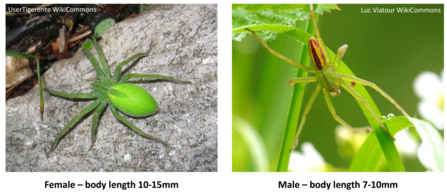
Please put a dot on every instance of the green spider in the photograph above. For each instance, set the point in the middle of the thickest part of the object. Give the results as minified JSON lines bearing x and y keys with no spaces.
{"x":130,"y":99}
{"x":328,"y":79}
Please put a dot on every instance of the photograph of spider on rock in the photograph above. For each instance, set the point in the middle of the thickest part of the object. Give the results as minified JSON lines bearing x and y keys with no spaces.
{"x":115,"y":92}
{"x":140,"y":97}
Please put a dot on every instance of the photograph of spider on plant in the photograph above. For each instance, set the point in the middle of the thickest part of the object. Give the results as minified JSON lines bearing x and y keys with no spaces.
{"x":296,"y":98}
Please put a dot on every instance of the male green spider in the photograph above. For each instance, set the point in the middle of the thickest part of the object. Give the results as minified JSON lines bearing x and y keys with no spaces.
{"x":328,"y":79}
{"x":130,"y":99}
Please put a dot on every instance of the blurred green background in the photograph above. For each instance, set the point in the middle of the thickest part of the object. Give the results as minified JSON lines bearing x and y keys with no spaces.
{"x":389,"y":49}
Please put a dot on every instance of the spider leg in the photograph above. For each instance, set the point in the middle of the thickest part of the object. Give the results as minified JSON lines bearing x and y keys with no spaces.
{"x":95,"y":64}
{"x":362,"y":100}
{"x":102,"y":59}
{"x":293,"y":81}
{"x":305,"y":112}
{"x":153,"y":76}
{"x":290,"y":61}
{"x":76,"y":118}
{"x":133,"y":127}
{"x":375,"y":87}
{"x":340,"y":52}
{"x":96,"y":114}
{"x":73,"y":95}
{"x":117,"y":74}
{"x":331,"y":107}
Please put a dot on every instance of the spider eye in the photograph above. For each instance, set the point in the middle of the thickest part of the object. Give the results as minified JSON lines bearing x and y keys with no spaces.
{"x":316,"y":54}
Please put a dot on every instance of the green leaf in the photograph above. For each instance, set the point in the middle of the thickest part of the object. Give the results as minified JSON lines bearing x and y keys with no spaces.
{"x":103,"y":26}
{"x":295,"y":105}
{"x":19,"y":54}
{"x":326,"y":8}
{"x":284,"y":14}
{"x":88,"y":44}
{"x":368,"y":156}
{"x":42,"y":103}
{"x":22,"y":55}
{"x":388,"y":147}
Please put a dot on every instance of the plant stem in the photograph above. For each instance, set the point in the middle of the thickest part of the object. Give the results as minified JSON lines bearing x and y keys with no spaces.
{"x":42,"y":105}
{"x":294,"y":110}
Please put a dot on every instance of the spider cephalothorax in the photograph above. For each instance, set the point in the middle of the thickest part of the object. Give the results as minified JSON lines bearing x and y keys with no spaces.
{"x":113,"y":91}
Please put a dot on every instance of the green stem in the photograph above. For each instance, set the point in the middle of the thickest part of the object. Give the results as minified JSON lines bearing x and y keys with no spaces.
{"x":294,"y":110}
{"x":42,"y":105}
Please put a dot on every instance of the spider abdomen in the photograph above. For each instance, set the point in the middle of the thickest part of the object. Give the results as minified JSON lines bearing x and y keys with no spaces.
{"x":132,"y":100}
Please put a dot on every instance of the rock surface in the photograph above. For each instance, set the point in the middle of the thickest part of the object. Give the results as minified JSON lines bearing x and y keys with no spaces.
{"x":184,"y":46}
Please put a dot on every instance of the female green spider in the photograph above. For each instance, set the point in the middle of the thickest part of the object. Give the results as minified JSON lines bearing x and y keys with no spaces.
{"x":328,"y":79}
{"x":130,"y":99}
